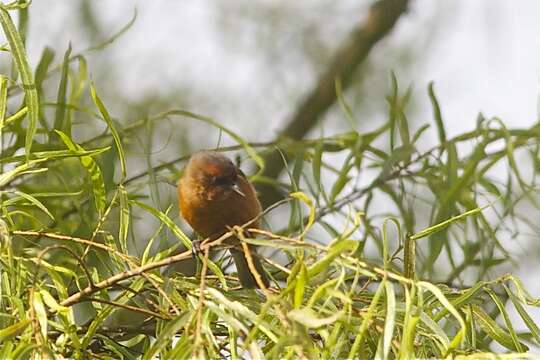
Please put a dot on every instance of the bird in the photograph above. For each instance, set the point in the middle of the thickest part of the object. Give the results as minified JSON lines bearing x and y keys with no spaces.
{"x":215,"y":195}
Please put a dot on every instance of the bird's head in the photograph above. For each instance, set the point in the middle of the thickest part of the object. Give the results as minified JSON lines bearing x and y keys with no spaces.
{"x":214,"y":174}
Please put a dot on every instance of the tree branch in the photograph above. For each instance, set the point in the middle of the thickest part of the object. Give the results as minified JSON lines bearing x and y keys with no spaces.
{"x":382,"y":17}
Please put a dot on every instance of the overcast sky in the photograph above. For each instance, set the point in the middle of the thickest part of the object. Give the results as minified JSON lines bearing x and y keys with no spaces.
{"x":484,"y":54}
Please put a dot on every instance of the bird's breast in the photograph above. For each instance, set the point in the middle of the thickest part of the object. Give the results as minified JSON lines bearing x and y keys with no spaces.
{"x":213,"y":217}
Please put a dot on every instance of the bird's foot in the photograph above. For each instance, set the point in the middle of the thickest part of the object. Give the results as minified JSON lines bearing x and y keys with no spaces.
{"x":196,"y":248}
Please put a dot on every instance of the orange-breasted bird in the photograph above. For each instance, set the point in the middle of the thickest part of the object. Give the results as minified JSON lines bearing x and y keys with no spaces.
{"x":214,"y":194}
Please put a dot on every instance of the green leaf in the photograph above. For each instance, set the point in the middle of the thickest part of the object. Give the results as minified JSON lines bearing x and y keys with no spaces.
{"x":35,"y":202}
{"x":165,"y":336}
{"x":531,"y":324}
{"x":47,"y":57}
{"x":437,"y":115}
{"x":438,"y":227}
{"x":21,"y":61}
{"x":124,"y":217}
{"x":389,"y":323}
{"x":41,"y":313}
{"x":114,"y":133}
{"x":492,"y":329}
{"x":334,"y":251}
{"x":310,"y":319}
{"x":8,"y":176}
{"x":60,"y":114}
{"x":98,"y":185}
{"x":167,"y":221}
{"x":342,"y":179}
{"x":300,"y":286}
{"x":13,"y":330}
{"x":18,"y":115}
{"x":456,"y":341}
{"x":450,"y":197}
{"x":518,"y":346}
{"x":3,"y":101}
{"x":366,"y":321}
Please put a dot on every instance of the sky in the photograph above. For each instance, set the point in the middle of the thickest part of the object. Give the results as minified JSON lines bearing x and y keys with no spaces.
{"x":482,"y":55}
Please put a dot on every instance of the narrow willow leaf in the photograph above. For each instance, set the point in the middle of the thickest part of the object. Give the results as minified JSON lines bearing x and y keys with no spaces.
{"x":419,"y":133}
{"x":21,"y":61}
{"x":124,"y":217}
{"x":230,"y":319}
{"x":399,"y":154}
{"x":17,"y":116}
{"x":35,"y":202}
{"x":437,"y":115}
{"x":51,"y":302}
{"x":297,"y":171}
{"x":98,"y":185}
{"x":116,"y":35}
{"x":452,"y":163}
{"x":41,"y":313}
{"x":342,"y":179}
{"x":167,"y":221}
{"x":233,"y":344}
{"x":343,"y":104}
{"x":114,"y":133}
{"x":390,"y":320}
{"x":467,"y":297}
{"x":385,"y":246}
{"x":97,"y":321}
{"x":334,"y":251}
{"x":316,"y":165}
{"x":392,"y":100}
{"x":300,"y":286}
{"x":311,"y":319}
{"x":506,"y":318}
{"x":456,"y":341}
{"x":47,"y":57}
{"x":406,"y":350}
{"x":242,"y":310}
{"x":8,"y":176}
{"x":450,"y":197}
{"x":3,"y":101}
{"x":57,"y":194}
{"x":13,"y":330}
{"x":531,"y":324}
{"x":306,"y":200}
{"x":491,"y":328}
{"x":60,"y":113}
{"x":42,"y":70}
{"x":367,"y":321}
{"x":42,"y":156}
{"x":440,"y":226}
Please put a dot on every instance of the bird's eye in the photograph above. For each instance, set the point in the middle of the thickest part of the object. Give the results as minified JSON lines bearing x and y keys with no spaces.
{"x":222,"y":180}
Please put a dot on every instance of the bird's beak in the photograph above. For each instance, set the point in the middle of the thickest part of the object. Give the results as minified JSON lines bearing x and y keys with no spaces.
{"x":237,"y":190}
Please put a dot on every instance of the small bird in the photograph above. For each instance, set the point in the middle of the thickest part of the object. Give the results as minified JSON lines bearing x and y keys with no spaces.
{"x":214,"y":195}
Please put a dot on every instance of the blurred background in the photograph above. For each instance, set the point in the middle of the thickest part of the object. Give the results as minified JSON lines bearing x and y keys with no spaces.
{"x":249,"y":65}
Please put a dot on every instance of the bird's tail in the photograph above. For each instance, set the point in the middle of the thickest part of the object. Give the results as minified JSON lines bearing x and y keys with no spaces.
{"x":247,"y":279}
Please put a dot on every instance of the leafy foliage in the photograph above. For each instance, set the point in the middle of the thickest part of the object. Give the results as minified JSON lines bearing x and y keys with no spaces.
{"x":389,"y":250}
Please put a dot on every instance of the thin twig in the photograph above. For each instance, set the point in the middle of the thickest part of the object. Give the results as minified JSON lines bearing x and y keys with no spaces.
{"x":73,"y":239}
{"x":128,"y":307}
{"x":198,"y":337}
